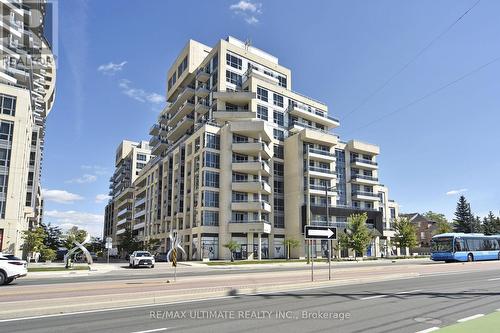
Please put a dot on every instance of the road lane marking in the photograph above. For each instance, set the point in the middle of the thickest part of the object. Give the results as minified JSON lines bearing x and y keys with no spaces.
{"x":431,"y":329}
{"x":155,"y":330}
{"x":470,"y":318}
{"x":494,"y":279}
{"x":386,"y":295}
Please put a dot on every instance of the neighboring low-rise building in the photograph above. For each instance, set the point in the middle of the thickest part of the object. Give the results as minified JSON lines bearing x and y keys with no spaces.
{"x":425,"y":228}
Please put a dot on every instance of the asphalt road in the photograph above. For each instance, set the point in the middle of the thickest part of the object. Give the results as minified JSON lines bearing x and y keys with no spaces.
{"x":406,"y":305}
{"x":164,"y":270}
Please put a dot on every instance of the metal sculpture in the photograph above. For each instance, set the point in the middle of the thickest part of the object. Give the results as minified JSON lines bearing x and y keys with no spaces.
{"x":79,"y":246}
{"x":175,"y":243}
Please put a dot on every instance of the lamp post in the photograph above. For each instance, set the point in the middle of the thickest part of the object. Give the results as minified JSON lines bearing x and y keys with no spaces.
{"x":327,"y":188}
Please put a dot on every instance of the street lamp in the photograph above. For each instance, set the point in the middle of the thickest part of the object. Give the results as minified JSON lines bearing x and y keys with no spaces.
{"x":327,"y":188}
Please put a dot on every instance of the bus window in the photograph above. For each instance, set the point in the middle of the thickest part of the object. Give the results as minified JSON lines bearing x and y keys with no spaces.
{"x":459,"y":245}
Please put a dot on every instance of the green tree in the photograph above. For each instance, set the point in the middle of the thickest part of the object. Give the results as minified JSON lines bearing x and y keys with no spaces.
{"x":442,"y":228}
{"x":491,"y":224}
{"x":33,"y":239}
{"x":152,"y":245}
{"x":48,"y":254}
{"x":464,"y":220}
{"x":406,"y":233}
{"x":53,"y":236}
{"x":436,"y":217}
{"x":128,"y":242}
{"x":357,"y":235}
{"x":290,"y":244}
{"x":96,"y":245}
{"x":72,"y":235}
{"x":232,"y":246}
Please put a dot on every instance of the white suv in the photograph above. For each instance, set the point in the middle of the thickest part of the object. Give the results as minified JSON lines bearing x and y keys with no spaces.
{"x":141,"y":258}
{"x":11,"y":268}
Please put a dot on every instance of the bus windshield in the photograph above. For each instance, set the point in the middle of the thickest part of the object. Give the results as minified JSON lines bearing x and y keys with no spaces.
{"x":442,"y":244}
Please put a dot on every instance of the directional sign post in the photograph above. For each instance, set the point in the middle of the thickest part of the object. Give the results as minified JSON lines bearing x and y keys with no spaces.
{"x":312,"y":233}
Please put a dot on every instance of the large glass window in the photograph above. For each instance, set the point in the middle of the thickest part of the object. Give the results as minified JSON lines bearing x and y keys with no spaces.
{"x":212,"y":141}
{"x":211,"y":160}
{"x":278,"y":118}
{"x":5,"y":157}
{"x":6,"y":129}
{"x":262,"y":112}
{"x":211,"y":179}
{"x":210,"y":199}
{"x":8,"y":105}
{"x":210,"y":218}
{"x":278,"y":134}
{"x":234,"y":78}
{"x":282,"y":81}
{"x":262,"y":94}
{"x":233,"y":61}
{"x":278,"y":100}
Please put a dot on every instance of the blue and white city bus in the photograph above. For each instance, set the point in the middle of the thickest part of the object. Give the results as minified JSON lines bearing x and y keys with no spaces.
{"x":464,"y":247}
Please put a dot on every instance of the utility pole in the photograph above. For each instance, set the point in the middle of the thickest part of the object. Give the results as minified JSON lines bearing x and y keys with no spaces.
{"x":329,"y":241}
{"x":308,"y":203}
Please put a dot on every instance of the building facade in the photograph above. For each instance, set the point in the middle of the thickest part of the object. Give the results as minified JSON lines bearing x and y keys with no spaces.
{"x":241,"y":156}
{"x":27,"y":90}
{"x":130,"y":158}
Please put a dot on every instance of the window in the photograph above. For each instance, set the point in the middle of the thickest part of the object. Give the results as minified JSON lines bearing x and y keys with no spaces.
{"x":234,"y":78}
{"x":30,"y":178}
{"x":239,"y":138}
{"x":4,"y":179}
{"x":211,"y":179}
{"x":211,"y":160}
{"x":210,"y":218}
{"x":278,"y":118}
{"x":278,"y":100}
{"x":239,"y":177}
{"x":278,"y":134}
{"x":6,"y":129}
{"x":262,"y":112}
{"x":210,"y":199}
{"x":278,"y":169}
{"x":279,"y":204}
{"x":279,"y":221}
{"x":282,"y":81}
{"x":182,"y":66}
{"x":240,"y":197}
{"x":8,"y":105}
{"x":212,"y":141}
{"x":239,"y":157}
{"x":262,"y":94}
{"x":233,"y":61}
{"x":5,"y":157}
{"x":140,"y":165}
{"x":141,"y":157}
{"x":279,"y":151}
{"x":215,"y":61}
{"x":279,"y":186}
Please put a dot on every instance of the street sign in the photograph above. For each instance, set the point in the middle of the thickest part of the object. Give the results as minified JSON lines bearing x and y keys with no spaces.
{"x":319,"y":232}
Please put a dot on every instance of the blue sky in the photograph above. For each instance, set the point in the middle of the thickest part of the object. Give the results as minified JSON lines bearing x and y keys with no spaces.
{"x":113,"y":57}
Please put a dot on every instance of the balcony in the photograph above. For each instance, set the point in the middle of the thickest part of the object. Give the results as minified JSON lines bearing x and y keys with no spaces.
{"x":140,"y":202}
{"x":261,"y":74}
{"x":186,"y":108}
{"x":154,"y":130}
{"x":160,"y":146}
{"x":138,"y":226}
{"x":186,"y":94}
{"x":202,"y":107}
{"x":251,"y":186}
{"x":363,"y":195}
{"x":364,"y":163}
{"x":238,"y":114}
{"x":202,"y":91}
{"x":181,"y":128}
{"x":253,"y":149}
{"x":255,"y":128}
{"x":310,"y":113}
{"x":247,"y":226}
{"x":362,"y":179}
{"x":202,"y":75}
{"x":322,"y":172}
{"x":297,"y":126}
{"x":123,"y":221}
{"x":122,"y":212}
{"x":321,"y":155}
{"x":235,"y":97}
{"x":120,"y":231}
{"x":251,"y":206}
{"x":320,"y":190}
{"x":252,"y":167}
{"x":140,"y":213}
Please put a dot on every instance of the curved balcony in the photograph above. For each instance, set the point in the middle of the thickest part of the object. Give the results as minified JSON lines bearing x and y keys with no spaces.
{"x":235,"y":97}
{"x":202,"y":75}
{"x":310,"y":113}
{"x":364,"y":163}
{"x":252,"y":167}
{"x":322,"y":172}
{"x":321,"y":155}
{"x":251,"y":206}
{"x":362,"y":179}
{"x":202,"y":91}
{"x":181,"y":128}
{"x":367,"y":196}
{"x":202,"y":107}
{"x":253,"y":149}
{"x":186,"y":108}
{"x":251,"y":186}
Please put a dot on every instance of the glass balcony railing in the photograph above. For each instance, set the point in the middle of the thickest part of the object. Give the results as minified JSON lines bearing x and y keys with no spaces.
{"x":365,"y":193}
{"x":362,"y":160}
{"x":364,"y":177}
{"x":322,"y":170}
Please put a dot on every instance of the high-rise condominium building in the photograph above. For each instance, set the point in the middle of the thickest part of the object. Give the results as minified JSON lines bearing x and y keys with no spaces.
{"x":130,"y":159}
{"x":27,"y":89}
{"x":241,"y":156}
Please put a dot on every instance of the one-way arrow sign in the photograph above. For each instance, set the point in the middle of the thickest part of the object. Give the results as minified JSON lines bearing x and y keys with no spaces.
{"x":318,"y":232}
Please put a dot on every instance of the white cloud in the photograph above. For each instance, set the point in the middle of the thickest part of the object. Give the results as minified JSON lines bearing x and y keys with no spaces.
{"x":248,"y":10}
{"x":86,"y":178}
{"x":101,"y":198}
{"x":96,"y":169}
{"x":139,"y":94}
{"x":93,"y":223}
{"x":111,"y":68}
{"x":453,"y":192}
{"x":60,"y":196}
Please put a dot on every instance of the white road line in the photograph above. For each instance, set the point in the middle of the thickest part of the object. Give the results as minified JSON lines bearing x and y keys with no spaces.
{"x":494,"y":279}
{"x":431,"y":329}
{"x":155,"y":330}
{"x":386,"y":295}
{"x":470,"y":318}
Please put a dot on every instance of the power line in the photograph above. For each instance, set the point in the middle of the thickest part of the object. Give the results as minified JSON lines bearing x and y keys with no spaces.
{"x":429,"y":94}
{"x":412,"y":60}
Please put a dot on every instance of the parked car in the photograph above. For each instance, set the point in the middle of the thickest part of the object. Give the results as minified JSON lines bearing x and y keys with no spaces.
{"x":11,"y":268}
{"x":141,"y":258}
{"x":161,"y":257}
